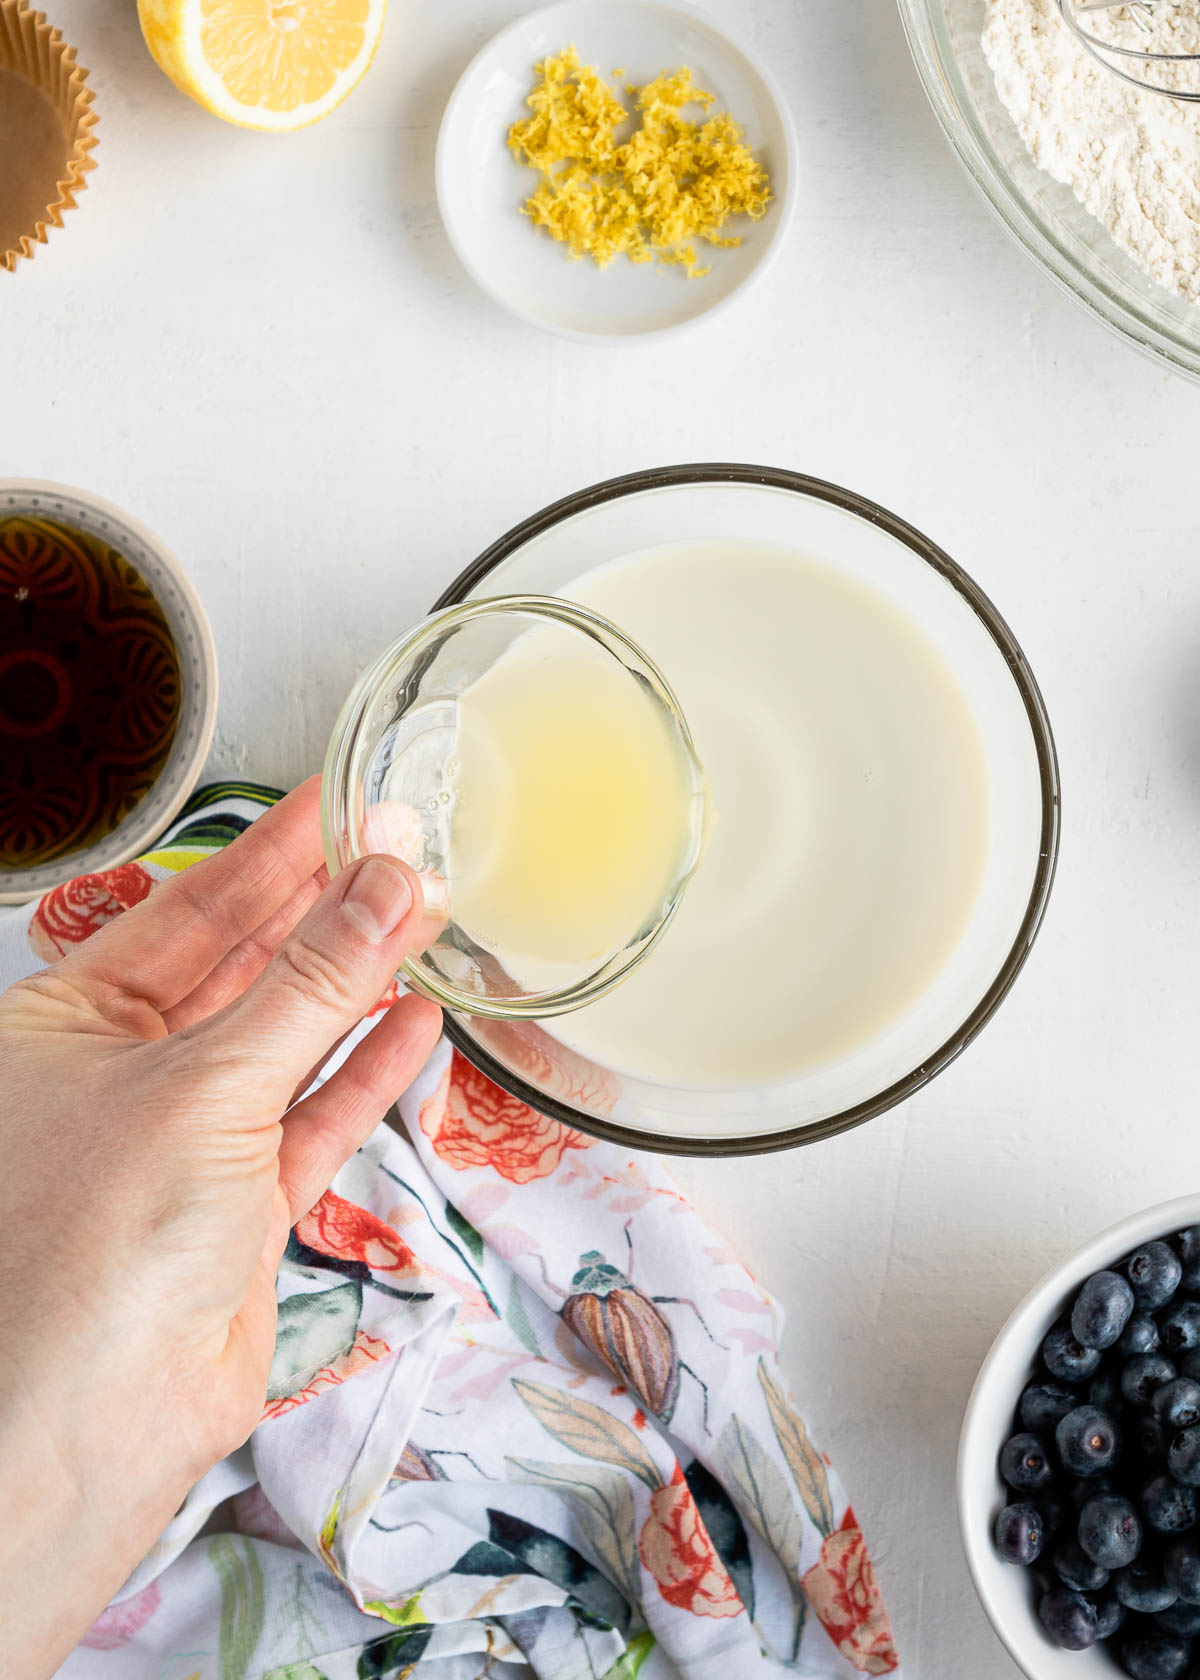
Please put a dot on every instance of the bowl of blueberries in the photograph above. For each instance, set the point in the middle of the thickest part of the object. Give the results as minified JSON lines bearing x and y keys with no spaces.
{"x":1079,"y":1464}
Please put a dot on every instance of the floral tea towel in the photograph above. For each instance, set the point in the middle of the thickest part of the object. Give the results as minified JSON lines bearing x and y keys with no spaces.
{"x":525,"y":1419}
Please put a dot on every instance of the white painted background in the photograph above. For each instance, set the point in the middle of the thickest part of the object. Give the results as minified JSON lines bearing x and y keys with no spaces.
{"x":266,"y":349}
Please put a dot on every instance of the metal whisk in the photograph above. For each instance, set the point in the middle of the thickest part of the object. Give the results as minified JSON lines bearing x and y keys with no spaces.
{"x":1105,"y":51}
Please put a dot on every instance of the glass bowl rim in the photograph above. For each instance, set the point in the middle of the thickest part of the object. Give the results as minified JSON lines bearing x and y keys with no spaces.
{"x":405,"y":654}
{"x":782,"y":478}
{"x":977,"y":158}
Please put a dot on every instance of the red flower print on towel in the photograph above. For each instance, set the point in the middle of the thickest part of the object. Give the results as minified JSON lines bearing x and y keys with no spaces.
{"x":121,"y":1621}
{"x":391,"y":996}
{"x":255,"y":1516}
{"x":677,"y":1551}
{"x":68,"y":914}
{"x":472,"y":1123}
{"x":843,"y":1591}
{"x":554,"y":1069}
{"x":345,"y":1231}
{"x":365,"y":1352}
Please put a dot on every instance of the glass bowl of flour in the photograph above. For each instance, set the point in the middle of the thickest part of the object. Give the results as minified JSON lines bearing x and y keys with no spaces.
{"x":1098,"y":181}
{"x":882,"y":819}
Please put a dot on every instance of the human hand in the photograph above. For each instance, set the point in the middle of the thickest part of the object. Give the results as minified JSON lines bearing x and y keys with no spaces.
{"x":155,"y":1159}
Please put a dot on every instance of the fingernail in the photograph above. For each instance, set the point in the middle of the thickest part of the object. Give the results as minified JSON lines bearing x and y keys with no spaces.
{"x":378,"y":898}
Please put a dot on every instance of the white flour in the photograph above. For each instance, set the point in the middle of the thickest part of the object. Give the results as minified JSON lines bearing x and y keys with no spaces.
{"x":1131,"y":158}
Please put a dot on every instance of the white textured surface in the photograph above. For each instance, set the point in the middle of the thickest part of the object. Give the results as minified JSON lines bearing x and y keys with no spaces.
{"x":265,"y":349}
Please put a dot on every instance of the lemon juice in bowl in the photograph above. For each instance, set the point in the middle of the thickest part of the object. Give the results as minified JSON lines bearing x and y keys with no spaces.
{"x":573,"y":808}
{"x":533,"y":766}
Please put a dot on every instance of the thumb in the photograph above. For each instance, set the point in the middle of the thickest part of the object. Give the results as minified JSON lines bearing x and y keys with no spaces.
{"x":330,"y":970}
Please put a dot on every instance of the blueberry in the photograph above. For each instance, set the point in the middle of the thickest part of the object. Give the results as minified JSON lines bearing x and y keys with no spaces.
{"x":1025,"y":1463}
{"x":1183,"y":1458}
{"x":1068,"y":1618}
{"x":1102,"y":1310}
{"x":1189,"y":1365}
{"x":1140,"y":1335}
{"x":1150,"y":1439}
{"x":1075,"y":1569}
{"x":1057,"y":1513}
{"x":1183,"y":1619}
{"x":1142,"y":1586}
{"x":1176,"y":1404}
{"x":1104,"y":1390}
{"x":1088,"y":1441}
{"x":1020,"y":1534}
{"x":1143,"y":1374}
{"x":1154,"y":1655}
{"x":1168,"y":1507}
{"x":1066,"y":1358}
{"x":1188,"y":1244}
{"x":1110,"y":1531}
{"x":1179,"y":1328}
{"x":1110,"y":1613}
{"x":1081,"y":1490}
{"x":1154,"y":1270}
{"x":1042,"y":1404}
{"x":1181,"y":1566}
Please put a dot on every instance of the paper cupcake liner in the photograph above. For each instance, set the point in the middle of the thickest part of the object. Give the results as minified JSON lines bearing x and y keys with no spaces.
{"x":37,"y":54}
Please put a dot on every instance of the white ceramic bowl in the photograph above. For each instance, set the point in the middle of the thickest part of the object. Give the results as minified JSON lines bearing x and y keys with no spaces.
{"x":481,"y":187}
{"x":1004,"y":1589}
{"x":197,"y":669}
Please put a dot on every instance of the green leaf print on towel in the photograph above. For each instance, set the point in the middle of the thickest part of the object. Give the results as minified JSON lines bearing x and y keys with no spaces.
{"x":629,"y":1666}
{"x":218,"y":793}
{"x":804,"y":1461}
{"x":517,"y":1319}
{"x":466,"y":1233}
{"x":313,"y":1331}
{"x":603,"y":1506}
{"x":767,"y":1503}
{"x":395,"y":1655}
{"x":546,"y":1555}
{"x":235,"y":1561}
{"x":588,"y":1430}
{"x":407,"y":1614}
{"x":294,"y":1671}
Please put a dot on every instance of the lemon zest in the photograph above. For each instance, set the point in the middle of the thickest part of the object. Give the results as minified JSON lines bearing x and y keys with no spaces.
{"x":672,"y":184}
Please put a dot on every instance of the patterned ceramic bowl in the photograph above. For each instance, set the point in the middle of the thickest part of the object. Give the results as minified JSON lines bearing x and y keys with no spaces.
{"x":61,"y":807}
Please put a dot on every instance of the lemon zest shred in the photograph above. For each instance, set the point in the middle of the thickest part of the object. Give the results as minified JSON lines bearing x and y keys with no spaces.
{"x":671,"y":184}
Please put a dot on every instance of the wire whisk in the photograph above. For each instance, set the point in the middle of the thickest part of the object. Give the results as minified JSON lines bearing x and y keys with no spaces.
{"x":1109,"y":53}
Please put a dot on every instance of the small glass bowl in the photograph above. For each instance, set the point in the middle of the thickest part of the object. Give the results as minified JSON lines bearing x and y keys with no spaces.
{"x":389,"y":786}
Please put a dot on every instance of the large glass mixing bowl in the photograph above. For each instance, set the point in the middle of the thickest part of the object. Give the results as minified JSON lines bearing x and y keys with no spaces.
{"x":1042,"y":214}
{"x":738,"y":505}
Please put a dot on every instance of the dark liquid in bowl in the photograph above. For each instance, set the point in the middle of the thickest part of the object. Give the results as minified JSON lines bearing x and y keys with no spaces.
{"x":89,"y":690}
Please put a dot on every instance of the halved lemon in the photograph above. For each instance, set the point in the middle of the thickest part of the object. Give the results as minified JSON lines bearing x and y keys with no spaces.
{"x":271,"y":64}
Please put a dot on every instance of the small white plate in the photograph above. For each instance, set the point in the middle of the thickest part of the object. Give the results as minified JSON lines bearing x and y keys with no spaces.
{"x":481,"y":186}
